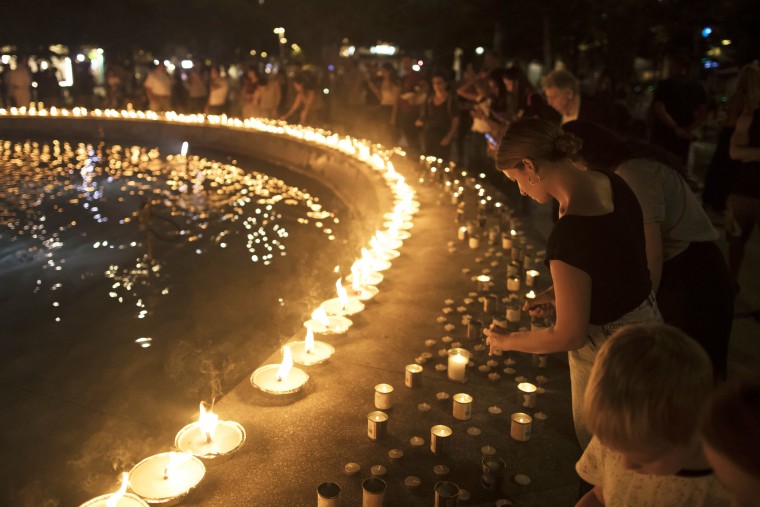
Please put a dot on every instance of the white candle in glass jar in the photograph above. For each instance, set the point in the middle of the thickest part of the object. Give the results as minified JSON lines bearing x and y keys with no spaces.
{"x":457,"y":364}
{"x":383,"y":396}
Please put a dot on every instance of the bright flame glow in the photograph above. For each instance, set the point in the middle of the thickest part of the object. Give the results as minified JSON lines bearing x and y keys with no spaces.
{"x":321,"y":316}
{"x":287,"y":363}
{"x":342,"y":295}
{"x":309,"y":341}
{"x":207,"y":421}
{"x":113,"y":500}
{"x":175,"y":459}
{"x":185,"y":146}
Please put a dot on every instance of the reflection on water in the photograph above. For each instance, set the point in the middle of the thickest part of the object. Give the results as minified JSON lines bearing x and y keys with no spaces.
{"x":126,"y":202}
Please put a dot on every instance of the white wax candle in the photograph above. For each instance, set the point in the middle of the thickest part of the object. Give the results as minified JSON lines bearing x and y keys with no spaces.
{"x":513,"y":284}
{"x":158,"y":479}
{"x":457,"y":366}
{"x":530,"y":277}
{"x":227,"y":438}
{"x":474,"y":242}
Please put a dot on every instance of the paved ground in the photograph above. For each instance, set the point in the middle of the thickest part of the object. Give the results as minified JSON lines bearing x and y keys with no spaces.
{"x":296,"y":442}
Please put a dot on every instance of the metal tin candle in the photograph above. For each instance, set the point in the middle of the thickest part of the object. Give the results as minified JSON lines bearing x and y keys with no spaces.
{"x":166,"y":477}
{"x":462,"y":407}
{"x":377,"y":425}
{"x":526,"y":396}
{"x":210,"y":438}
{"x":440,"y":436}
{"x":521,"y":427}
{"x":383,"y":396}
{"x":530,"y":277}
{"x":413,"y":376}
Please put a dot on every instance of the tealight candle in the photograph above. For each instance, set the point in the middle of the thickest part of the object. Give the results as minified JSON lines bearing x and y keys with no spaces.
{"x":280,"y":378}
{"x":526,"y":394}
{"x":209,"y":437}
{"x":309,"y":351}
{"x":383,"y":396}
{"x":417,"y":441}
{"x":412,"y":482}
{"x":462,"y":406}
{"x":530,"y":277}
{"x":457,"y":364}
{"x":166,"y":477}
{"x":513,"y":283}
{"x":351,"y":469}
{"x":520,"y":429}
{"x":118,"y":499}
{"x":440,"y":436}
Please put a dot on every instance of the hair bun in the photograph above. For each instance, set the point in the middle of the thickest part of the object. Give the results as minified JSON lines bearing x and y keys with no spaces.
{"x":567,"y":144}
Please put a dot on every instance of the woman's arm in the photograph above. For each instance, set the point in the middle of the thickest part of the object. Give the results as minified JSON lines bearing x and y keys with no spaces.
{"x":740,"y":149}
{"x":572,"y":296}
{"x":294,"y":107}
{"x":653,"y":239}
{"x":307,"y":103}
{"x":452,"y":131}
{"x":594,"y":498}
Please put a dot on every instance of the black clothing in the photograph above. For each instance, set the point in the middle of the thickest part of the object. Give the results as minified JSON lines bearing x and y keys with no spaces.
{"x":747,"y":182}
{"x":696,"y":295}
{"x":611,"y":250}
{"x":681,"y":98}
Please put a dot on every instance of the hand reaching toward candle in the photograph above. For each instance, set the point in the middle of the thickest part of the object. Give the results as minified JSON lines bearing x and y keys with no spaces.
{"x":496,"y":337}
{"x":542,"y":305}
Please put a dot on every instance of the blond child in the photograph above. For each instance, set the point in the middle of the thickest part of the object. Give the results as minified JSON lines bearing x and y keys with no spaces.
{"x":731,"y":440}
{"x":647,"y":389}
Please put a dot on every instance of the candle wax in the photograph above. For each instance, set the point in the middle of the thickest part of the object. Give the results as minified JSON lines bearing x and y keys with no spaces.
{"x":128,"y":500}
{"x":265,"y":378}
{"x":335,"y":306}
{"x":336,"y":325}
{"x":319,"y":354}
{"x":146,"y":479}
{"x":228,"y":437}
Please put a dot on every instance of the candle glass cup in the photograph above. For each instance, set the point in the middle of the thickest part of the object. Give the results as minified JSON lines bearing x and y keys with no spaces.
{"x":373,"y":492}
{"x":328,"y":495}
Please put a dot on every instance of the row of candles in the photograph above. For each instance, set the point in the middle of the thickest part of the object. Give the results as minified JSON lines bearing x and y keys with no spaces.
{"x":167,"y":477}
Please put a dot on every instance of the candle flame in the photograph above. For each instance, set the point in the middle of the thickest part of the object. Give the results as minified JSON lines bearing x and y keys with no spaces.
{"x":207,"y":421}
{"x":530,"y":295}
{"x":175,"y":459}
{"x":513,"y":232}
{"x":286,"y":365}
{"x":113,"y":500}
{"x":321,"y":316}
{"x":309,"y":341}
{"x":342,"y":295}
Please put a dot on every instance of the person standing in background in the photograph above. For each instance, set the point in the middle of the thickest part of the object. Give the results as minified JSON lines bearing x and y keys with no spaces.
{"x":217,"y":95}
{"x":679,"y":107}
{"x":18,"y":83}
{"x":158,"y":88}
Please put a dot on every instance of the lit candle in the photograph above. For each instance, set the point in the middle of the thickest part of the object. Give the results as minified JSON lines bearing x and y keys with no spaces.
{"x":513,"y":283}
{"x":383,"y":396}
{"x":520,"y":429}
{"x":462,"y":233}
{"x":413,"y":376}
{"x":462,"y":406}
{"x":343,"y":304}
{"x":377,"y":425}
{"x":457,"y":364}
{"x":118,"y":499}
{"x":526,"y":394}
{"x":440,"y":436}
{"x":166,"y":477}
{"x":506,"y":241}
{"x":280,"y":379}
{"x":309,"y":352}
{"x":530,"y":277}
{"x":209,"y":437}
{"x":474,"y":242}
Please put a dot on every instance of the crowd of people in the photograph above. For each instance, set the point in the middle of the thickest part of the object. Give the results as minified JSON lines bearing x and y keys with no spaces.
{"x":642,"y":299}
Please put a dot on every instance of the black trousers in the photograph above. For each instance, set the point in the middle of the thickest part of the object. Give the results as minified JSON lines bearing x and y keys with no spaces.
{"x":696,"y":295}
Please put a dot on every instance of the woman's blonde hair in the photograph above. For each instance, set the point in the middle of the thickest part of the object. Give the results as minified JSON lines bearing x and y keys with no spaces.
{"x":649,"y":383}
{"x":535,"y":139}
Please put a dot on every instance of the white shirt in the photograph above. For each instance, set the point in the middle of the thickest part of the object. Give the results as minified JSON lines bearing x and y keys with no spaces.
{"x":217,"y":95}
{"x":603,"y":467}
{"x":159,"y":84}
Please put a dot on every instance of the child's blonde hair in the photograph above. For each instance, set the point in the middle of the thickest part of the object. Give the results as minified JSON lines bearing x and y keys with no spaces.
{"x":649,"y":384}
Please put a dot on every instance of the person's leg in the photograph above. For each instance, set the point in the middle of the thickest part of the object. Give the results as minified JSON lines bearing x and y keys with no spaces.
{"x":739,"y":225}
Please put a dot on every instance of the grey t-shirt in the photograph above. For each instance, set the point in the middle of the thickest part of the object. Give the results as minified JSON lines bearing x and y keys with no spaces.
{"x":665,"y":198}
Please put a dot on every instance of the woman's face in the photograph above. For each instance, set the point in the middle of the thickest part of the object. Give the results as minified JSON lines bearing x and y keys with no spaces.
{"x":523,"y":174}
{"x":509,"y":85}
{"x":439,"y":84}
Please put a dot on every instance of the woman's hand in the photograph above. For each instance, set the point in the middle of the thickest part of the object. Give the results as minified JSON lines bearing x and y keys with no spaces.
{"x":496,"y":338}
{"x":542,"y":305}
